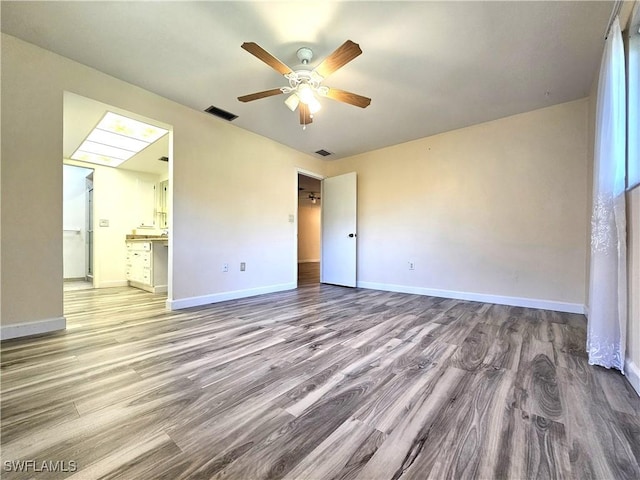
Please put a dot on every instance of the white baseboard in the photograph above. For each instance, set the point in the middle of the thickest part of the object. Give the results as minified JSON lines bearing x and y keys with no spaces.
{"x":632,"y":372}
{"x":38,"y":327}
{"x":479,"y":297}
{"x":148,"y":288}
{"x":224,"y":296}
{"x":113,"y":283}
{"x":312,"y":260}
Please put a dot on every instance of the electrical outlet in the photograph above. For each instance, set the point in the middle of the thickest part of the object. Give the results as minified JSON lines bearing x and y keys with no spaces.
{"x":243,"y":266}
{"x":412,"y":265}
{"x":225,"y":267}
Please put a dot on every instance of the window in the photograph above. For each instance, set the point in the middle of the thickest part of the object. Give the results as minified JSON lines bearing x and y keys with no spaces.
{"x":633,"y":99}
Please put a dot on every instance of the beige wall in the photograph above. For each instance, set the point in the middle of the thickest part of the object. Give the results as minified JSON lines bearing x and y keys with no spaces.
{"x":308,"y":232}
{"x":493,"y":212}
{"x":233,"y":191}
{"x":31,"y":277}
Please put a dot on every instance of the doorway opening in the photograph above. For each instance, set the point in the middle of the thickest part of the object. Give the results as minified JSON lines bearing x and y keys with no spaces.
{"x":77,"y":230}
{"x":309,"y":215}
{"x":123,"y":235}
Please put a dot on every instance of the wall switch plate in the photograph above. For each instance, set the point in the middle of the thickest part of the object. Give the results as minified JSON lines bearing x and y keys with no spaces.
{"x":243,"y":266}
{"x":412,"y":265}
{"x":104,"y":222}
{"x":225,"y":267}
{"x":291,"y":218}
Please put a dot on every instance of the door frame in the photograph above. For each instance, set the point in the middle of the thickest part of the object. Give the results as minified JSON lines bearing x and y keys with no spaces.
{"x":318,"y":176}
{"x":89,"y":223}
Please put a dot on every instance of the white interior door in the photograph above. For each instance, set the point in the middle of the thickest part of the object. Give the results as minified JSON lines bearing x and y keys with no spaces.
{"x":339,"y":199}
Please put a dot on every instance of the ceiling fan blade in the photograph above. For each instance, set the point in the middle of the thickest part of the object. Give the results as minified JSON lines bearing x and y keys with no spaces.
{"x":348,"y":97}
{"x":343,"y":55}
{"x":259,"y":52}
{"x":305,"y":114}
{"x":259,"y":95}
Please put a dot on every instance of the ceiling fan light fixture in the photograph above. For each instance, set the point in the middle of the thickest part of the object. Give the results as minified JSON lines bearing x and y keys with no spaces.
{"x":292,"y":102}
{"x":305,"y":92}
{"x":314,"y":105}
{"x":116,"y":139}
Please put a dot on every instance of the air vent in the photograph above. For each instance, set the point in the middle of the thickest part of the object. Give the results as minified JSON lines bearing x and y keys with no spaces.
{"x":218,"y":112}
{"x":164,"y":159}
{"x":323,"y":152}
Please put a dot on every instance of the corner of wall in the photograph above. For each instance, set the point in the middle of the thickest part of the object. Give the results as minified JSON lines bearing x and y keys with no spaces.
{"x":632,"y":372}
{"x":17,"y":330}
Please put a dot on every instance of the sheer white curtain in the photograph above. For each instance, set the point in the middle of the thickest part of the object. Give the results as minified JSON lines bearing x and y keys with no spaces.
{"x":607,"y":325}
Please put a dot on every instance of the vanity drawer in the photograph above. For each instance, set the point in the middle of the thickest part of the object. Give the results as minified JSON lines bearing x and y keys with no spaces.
{"x":142,"y":246}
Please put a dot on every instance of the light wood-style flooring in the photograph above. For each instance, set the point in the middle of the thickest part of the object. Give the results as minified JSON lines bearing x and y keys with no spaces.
{"x":79,"y":284}
{"x":321,"y":382}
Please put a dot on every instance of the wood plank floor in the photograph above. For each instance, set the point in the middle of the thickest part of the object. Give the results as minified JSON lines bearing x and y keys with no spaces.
{"x":77,"y":285}
{"x":321,"y":382}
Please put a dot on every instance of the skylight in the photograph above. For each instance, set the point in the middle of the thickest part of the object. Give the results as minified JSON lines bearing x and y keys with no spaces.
{"x":116,"y":139}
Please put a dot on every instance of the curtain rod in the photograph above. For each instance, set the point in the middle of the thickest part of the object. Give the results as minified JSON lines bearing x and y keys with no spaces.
{"x":617,"y":6}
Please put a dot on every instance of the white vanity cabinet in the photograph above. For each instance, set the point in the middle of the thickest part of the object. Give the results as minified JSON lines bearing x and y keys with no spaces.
{"x":147,"y":264}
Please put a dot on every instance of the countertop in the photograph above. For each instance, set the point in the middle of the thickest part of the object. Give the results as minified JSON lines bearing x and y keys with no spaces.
{"x":147,"y":238}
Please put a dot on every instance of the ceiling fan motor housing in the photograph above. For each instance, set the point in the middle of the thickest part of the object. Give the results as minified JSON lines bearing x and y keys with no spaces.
{"x":305,"y":55}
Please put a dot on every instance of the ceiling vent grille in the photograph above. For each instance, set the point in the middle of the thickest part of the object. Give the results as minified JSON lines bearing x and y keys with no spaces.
{"x":323,"y":152}
{"x":218,"y":112}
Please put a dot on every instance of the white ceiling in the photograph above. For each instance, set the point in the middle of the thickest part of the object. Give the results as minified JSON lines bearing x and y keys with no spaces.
{"x":429,"y":67}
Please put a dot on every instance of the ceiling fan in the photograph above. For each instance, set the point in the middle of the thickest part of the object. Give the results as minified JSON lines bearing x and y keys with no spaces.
{"x":306,"y":85}
{"x":313,"y":197}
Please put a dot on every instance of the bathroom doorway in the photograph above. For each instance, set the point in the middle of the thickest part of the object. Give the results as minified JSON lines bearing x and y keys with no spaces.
{"x":77,"y":230}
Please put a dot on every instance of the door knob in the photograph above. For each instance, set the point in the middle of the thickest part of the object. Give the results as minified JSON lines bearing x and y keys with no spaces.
{"x":351,"y":235}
